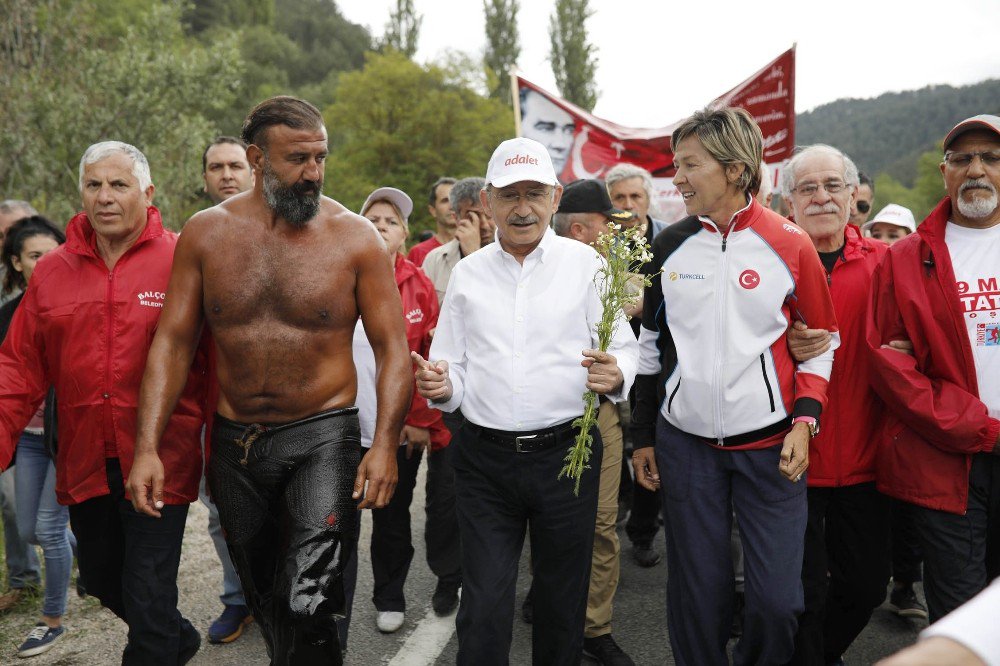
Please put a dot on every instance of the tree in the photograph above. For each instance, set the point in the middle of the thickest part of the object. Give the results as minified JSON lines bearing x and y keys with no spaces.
{"x":573,"y":61}
{"x":925,"y":194}
{"x":202,"y":15}
{"x":403,"y":29}
{"x":401,"y":124}
{"x":68,"y":83}
{"x":502,"y":47}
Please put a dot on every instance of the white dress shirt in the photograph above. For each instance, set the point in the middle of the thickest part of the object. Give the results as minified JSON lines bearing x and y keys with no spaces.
{"x":513,"y":335}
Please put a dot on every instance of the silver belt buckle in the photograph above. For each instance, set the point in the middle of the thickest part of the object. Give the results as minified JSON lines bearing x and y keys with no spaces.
{"x":517,"y":442}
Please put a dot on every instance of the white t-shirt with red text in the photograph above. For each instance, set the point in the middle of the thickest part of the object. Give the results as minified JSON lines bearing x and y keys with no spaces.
{"x":975,"y":255}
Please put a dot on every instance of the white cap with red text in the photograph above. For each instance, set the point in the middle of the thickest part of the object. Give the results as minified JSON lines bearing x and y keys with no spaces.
{"x":894,"y":214}
{"x":517,"y":160}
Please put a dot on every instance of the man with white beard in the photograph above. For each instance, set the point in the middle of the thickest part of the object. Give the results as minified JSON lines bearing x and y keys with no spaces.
{"x":939,"y":449}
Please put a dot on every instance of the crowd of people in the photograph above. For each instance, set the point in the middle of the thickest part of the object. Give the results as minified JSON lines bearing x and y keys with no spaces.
{"x":810,"y":400}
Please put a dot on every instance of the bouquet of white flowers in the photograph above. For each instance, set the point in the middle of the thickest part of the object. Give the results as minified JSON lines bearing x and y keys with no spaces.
{"x":620,"y":286}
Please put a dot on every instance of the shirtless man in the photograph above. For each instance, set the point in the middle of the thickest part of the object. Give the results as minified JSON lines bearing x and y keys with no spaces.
{"x":280,"y":275}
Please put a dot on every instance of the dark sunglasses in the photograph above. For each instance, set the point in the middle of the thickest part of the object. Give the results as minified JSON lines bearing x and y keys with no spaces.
{"x":864,"y":206}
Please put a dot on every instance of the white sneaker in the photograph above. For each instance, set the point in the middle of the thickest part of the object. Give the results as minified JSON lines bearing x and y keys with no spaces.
{"x":389,"y":621}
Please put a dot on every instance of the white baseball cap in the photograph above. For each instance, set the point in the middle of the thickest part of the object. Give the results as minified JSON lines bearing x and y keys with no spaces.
{"x":894,"y":214}
{"x":403,"y":202}
{"x":517,"y":160}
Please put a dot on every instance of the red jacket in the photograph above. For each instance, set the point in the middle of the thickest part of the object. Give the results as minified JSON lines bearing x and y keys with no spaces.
{"x":86,"y":331}
{"x":934,"y":419}
{"x":420,"y":310}
{"x":844,"y":452}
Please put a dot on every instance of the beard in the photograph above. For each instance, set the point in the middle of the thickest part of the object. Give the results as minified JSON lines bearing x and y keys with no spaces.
{"x":297,"y":203}
{"x":979,"y":207}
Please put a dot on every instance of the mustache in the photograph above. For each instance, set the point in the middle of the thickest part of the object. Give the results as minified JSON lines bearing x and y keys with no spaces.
{"x":817,"y":209}
{"x":977,"y":184}
{"x":514,"y":218}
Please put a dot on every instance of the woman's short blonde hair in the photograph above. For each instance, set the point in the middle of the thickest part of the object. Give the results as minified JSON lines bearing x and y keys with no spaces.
{"x":731,"y":136}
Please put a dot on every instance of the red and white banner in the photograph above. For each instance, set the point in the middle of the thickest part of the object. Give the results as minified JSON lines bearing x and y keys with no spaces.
{"x":584,"y":146}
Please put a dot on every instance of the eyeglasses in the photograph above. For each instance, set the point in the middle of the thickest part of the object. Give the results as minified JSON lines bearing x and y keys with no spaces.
{"x":809,"y":189}
{"x":863,"y":206}
{"x":991,"y":159}
{"x":533,"y":196}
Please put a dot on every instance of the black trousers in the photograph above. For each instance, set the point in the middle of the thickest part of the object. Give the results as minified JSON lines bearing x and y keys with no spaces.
{"x":444,"y":545}
{"x":962,"y":553}
{"x":129,"y":561}
{"x":284,"y":499}
{"x":392,"y":546}
{"x":644,"y":506}
{"x":906,"y":556}
{"x":392,"y":542}
{"x":845,"y":569}
{"x":644,"y":519}
{"x":500,"y":493}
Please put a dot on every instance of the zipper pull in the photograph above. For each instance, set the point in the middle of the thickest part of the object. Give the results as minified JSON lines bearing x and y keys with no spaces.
{"x":723,"y":243}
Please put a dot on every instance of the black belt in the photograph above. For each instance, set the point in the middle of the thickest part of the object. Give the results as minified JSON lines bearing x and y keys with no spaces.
{"x":526,"y":442}
{"x":751,"y":437}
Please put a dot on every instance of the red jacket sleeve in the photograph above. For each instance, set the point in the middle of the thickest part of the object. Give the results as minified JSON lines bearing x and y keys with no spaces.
{"x":814,"y":306}
{"x":420,"y":414}
{"x":942,"y":412}
{"x":23,"y":375}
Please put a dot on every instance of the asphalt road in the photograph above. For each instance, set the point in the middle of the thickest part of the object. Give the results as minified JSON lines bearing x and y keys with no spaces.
{"x":96,"y":637}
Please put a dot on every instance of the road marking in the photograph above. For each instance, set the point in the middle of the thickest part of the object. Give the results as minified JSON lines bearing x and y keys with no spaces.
{"x":427,"y":641}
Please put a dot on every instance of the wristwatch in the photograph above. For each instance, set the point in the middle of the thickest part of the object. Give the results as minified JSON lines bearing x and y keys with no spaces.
{"x":809,"y":421}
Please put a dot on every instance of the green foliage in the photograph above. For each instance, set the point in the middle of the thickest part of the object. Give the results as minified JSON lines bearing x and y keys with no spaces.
{"x":299,"y":52}
{"x":502,"y":47}
{"x":327,"y":43}
{"x":573,"y":61}
{"x":402,"y":124}
{"x":202,"y":15}
{"x":71,"y":85}
{"x":402,"y":32}
{"x":922,"y":197}
{"x":890,"y":132}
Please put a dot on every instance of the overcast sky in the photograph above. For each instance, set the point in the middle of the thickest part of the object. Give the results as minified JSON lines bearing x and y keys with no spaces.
{"x":660,"y":60}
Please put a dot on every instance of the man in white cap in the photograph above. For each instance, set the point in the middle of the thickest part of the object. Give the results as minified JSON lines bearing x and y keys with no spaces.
{"x":939,"y":450}
{"x":892,"y":223}
{"x":515,"y":349}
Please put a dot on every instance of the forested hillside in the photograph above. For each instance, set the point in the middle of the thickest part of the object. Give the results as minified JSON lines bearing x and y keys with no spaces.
{"x":889,"y":133}
{"x":169,"y":75}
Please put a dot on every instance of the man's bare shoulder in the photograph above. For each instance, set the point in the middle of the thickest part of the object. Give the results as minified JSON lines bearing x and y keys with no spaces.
{"x":350,"y":228}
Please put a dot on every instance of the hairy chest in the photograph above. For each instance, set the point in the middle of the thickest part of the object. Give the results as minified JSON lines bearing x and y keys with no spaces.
{"x":307,"y":285}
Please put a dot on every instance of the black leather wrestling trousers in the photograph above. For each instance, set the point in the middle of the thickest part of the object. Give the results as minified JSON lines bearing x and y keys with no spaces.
{"x":284,"y":499}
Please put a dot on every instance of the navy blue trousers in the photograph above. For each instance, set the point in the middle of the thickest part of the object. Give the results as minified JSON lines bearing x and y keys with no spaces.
{"x":702,"y":486}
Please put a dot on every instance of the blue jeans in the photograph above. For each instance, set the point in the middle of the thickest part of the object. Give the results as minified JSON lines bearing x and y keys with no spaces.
{"x":41,"y":520}
{"x":232,"y":592}
{"x":23,"y":568}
